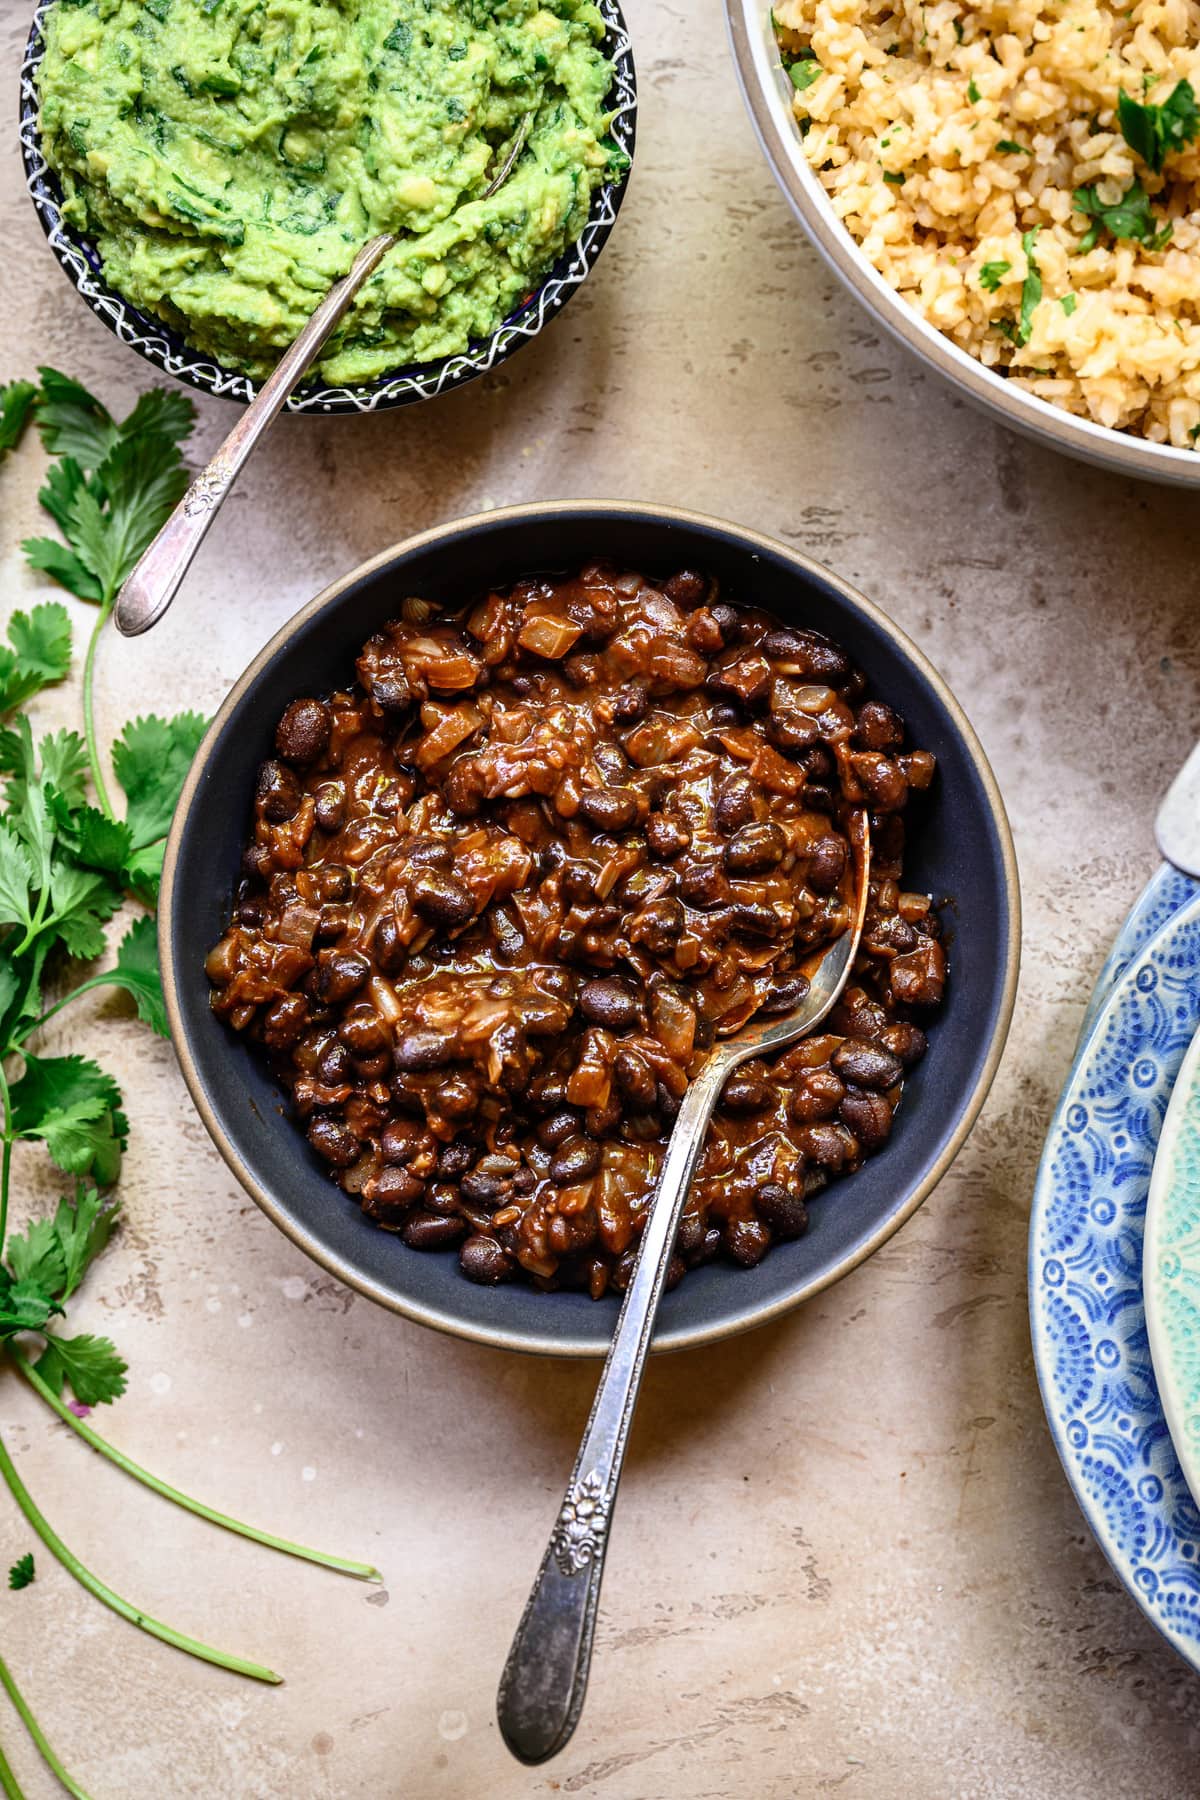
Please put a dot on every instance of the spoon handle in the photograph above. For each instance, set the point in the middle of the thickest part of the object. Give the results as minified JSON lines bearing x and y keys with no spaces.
{"x":154,"y":580}
{"x":545,"y":1678}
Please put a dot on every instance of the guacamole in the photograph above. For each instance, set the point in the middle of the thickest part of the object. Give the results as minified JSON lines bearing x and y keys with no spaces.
{"x":229,"y":157}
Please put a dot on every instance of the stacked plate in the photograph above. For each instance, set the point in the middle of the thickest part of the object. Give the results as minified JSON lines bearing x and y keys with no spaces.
{"x":1114,"y":1261}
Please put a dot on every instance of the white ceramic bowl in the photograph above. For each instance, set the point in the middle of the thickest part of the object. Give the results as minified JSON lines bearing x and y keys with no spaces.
{"x":768,"y":94}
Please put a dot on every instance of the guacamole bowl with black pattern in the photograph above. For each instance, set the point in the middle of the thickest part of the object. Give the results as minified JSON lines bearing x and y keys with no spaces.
{"x":167,"y":350}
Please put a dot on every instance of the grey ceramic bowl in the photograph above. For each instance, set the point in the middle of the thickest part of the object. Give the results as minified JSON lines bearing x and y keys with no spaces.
{"x":79,"y":260}
{"x":768,"y":95}
{"x":962,"y":851}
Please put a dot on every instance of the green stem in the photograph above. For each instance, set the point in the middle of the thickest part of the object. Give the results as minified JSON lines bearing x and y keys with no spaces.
{"x":108,"y":979}
{"x":38,"y":1735}
{"x":8,"y":1780}
{"x":89,"y":718}
{"x":102,"y":1591}
{"x":363,"y":1571}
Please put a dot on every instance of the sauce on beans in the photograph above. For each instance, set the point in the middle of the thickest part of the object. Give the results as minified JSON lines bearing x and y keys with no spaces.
{"x":504,"y":893}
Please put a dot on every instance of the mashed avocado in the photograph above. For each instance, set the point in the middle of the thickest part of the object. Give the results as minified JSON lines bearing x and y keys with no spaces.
{"x":229,"y":157}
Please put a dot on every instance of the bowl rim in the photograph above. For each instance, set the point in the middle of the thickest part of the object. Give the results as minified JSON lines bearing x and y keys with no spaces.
{"x":532,"y":1342}
{"x":765,"y":91}
{"x":164,"y":347}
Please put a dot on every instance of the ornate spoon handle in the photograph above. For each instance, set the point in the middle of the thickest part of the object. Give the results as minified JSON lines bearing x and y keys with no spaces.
{"x":154,"y":580}
{"x":545,"y":1678}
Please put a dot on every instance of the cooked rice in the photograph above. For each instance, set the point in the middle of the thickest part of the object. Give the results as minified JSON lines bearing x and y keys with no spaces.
{"x":895,"y":97}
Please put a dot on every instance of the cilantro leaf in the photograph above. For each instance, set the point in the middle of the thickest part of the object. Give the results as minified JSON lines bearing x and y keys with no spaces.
{"x":40,"y":653}
{"x":1156,"y":132}
{"x":22,"y":1571}
{"x":1010,"y":147}
{"x":97,"y":840}
{"x":805,"y":71}
{"x":1031,"y":287}
{"x":35,"y":1255}
{"x":151,"y":759}
{"x":164,"y":411}
{"x":72,"y":421}
{"x":82,"y":1227}
{"x":75,"y":1108}
{"x":81,"y":900}
{"x":63,"y":756}
{"x":91,"y":1364}
{"x":16,"y":404}
{"x":53,"y":558}
{"x":16,"y":879}
{"x":1128,"y":217}
{"x":23,"y":1306}
{"x":114,"y":518}
{"x":992,"y":274}
{"x":137,"y":972}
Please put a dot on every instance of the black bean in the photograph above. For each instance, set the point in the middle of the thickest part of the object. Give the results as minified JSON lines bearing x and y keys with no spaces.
{"x":396,"y":1188}
{"x":660,"y":924}
{"x":609,"y":809}
{"x":690,"y":1235}
{"x":442,"y":899}
{"x":817,"y":1094}
{"x":331,"y":805}
{"x":865,"y":1065}
{"x":786,"y":995}
{"x":482,"y":1259}
{"x":333,"y":1140}
{"x":574,"y":1160}
{"x":332,"y":923}
{"x":665,"y":1101}
{"x":745,"y":1094}
{"x":729,"y":619}
{"x":578,"y":884}
{"x":389,"y":947}
{"x":363,"y":1032}
{"x":747,"y":1241}
{"x":479,"y":1186}
{"x":340,"y":973}
{"x":417,"y":1049}
{"x":702,"y":884}
{"x":827,"y":859}
{"x":754,"y":919}
{"x":735,"y":804}
{"x":302,"y":735}
{"x":687,"y":588}
{"x":600,"y":1120}
{"x":906,"y":1041}
{"x":334,"y":1065}
{"x":427,"y":1231}
{"x":818,"y":798}
{"x":789,"y":730}
{"x":676,"y":1270}
{"x":456,"y":1098}
{"x":785,"y":1214}
{"x":891,"y":934}
{"x":869,"y":1117}
{"x":609,"y":1001}
{"x":878,"y":727}
{"x":558,"y":1128}
{"x":882,"y":779}
{"x":822,"y":1144}
{"x":919,"y":978}
{"x":456,"y":1158}
{"x":810,"y":652}
{"x":400,"y":1140}
{"x":634,"y":1077}
{"x":277,"y":792}
{"x":666,"y":836}
{"x":628,"y":706}
{"x":442,"y":1197}
{"x":755,"y":848}
{"x":724,"y":714}
{"x":335,"y":881}
{"x":284,"y":1020}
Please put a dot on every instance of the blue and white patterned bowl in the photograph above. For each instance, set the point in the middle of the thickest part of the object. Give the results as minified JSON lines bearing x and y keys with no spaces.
{"x":1171,"y":1267}
{"x":78,"y":258}
{"x":1090,"y":1339}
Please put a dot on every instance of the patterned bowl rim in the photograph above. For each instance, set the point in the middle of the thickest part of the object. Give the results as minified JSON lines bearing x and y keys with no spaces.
{"x":162,"y":346}
{"x":1146,"y":1585}
{"x":1169,"y":1376}
{"x":767,"y":93}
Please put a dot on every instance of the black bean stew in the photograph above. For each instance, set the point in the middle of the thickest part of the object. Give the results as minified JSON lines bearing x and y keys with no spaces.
{"x":503,"y":894}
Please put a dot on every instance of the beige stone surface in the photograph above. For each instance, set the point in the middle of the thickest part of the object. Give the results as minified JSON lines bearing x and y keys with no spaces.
{"x":846,"y":1559}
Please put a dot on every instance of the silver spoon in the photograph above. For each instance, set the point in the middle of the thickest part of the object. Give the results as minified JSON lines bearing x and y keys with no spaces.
{"x":154,"y":580}
{"x":545,"y":1678}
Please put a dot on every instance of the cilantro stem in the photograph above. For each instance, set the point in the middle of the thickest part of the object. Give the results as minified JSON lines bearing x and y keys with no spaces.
{"x":8,"y":1780}
{"x":109,"y":978}
{"x":363,"y":1571}
{"x":89,"y":717}
{"x":37,"y":1734}
{"x":84,"y":1576}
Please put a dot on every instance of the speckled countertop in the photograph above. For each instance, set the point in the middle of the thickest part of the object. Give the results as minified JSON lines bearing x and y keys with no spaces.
{"x":846,"y":1558}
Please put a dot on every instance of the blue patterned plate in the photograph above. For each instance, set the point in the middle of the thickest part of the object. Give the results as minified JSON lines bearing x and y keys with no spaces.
{"x":1161,"y":898}
{"x":1090,"y":1342}
{"x":1171,"y":1266}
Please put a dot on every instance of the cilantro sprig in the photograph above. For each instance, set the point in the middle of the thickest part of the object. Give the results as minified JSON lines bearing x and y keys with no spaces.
{"x":1128,"y":217}
{"x":1156,"y":132}
{"x":68,"y":863}
{"x":22,"y":1571}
